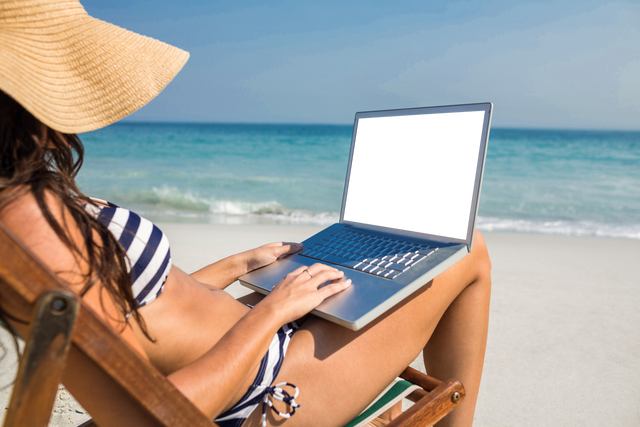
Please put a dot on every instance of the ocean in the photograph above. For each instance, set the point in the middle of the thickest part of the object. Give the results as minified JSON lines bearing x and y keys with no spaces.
{"x":568,"y":182}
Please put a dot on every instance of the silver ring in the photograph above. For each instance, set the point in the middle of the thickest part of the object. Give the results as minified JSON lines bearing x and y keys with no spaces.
{"x":310,"y":275}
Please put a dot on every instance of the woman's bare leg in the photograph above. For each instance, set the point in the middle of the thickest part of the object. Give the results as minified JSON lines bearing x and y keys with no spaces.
{"x":456,"y":347}
{"x":339,"y":371}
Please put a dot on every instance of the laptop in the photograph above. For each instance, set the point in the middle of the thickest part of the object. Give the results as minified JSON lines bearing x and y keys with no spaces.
{"x":408,"y":210}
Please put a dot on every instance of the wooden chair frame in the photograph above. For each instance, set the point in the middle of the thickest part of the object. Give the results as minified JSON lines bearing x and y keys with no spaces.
{"x":61,"y":328}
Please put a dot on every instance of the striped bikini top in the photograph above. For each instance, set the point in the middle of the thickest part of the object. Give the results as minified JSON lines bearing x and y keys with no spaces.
{"x":148,"y":254}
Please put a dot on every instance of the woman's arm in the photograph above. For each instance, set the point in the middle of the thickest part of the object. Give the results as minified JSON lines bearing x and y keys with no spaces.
{"x":214,"y":379}
{"x":226,"y":271}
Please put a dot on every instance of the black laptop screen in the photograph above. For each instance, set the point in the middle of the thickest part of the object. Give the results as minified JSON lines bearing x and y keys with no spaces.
{"x":415,"y":172}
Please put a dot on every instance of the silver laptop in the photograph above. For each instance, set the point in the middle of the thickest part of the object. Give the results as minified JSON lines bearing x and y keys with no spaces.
{"x":408,"y":210}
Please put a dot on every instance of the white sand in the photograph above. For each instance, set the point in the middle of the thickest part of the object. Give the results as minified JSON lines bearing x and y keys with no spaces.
{"x":563,"y":342}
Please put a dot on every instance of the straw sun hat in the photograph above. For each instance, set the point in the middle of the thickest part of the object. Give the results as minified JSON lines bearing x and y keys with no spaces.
{"x":76,"y":73}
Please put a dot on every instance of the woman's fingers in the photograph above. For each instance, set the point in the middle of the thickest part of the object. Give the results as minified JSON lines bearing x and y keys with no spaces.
{"x":318,"y":268}
{"x":319,"y":277}
{"x":287,"y":248}
{"x":334,"y":287}
{"x":315,"y":277}
{"x":283,"y":248}
{"x":305,"y":288}
{"x":316,"y":271}
{"x":314,"y":267}
{"x":295,"y":273}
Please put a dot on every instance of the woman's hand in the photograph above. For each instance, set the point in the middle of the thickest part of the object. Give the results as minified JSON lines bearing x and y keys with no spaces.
{"x":222,"y":273}
{"x":265,"y":255}
{"x":303,"y":290}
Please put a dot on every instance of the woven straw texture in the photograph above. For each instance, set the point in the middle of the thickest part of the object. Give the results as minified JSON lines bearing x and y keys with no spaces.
{"x":76,"y":73}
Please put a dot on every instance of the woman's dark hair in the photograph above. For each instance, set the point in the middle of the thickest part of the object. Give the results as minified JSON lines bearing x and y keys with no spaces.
{"x":35,"y":158}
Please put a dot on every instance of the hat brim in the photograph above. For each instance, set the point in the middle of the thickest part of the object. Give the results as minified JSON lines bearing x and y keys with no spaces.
{"x":76,"y":73}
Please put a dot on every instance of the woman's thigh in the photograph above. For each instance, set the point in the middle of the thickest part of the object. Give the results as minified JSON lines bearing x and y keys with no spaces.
{"x":339,"y":372}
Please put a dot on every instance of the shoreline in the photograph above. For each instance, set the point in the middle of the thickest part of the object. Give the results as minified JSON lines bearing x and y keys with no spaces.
{"x":563,"y":337}
{"x":545,"y":227}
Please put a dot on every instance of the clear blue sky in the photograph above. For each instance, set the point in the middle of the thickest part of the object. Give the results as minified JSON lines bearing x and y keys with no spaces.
{"x":549,"y":64}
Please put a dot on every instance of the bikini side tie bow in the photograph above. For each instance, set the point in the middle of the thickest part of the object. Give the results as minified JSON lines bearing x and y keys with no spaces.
{"x":278,"y":393}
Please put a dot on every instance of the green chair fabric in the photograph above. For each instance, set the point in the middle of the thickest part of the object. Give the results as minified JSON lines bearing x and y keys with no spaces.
{"x":389,"y":397}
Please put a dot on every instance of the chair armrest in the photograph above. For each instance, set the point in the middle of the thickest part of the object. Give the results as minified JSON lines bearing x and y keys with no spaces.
{"x":418,"y":378}
{"x":442,"y":398}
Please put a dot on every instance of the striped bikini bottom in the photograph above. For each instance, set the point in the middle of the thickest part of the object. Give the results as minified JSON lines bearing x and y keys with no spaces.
{"x":261,"y":390}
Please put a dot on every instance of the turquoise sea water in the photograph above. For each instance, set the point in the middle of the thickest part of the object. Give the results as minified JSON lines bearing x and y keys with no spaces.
{"x":540,"y":181}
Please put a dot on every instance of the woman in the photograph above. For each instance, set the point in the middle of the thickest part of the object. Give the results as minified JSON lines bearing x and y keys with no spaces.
{"x":63,"y":72}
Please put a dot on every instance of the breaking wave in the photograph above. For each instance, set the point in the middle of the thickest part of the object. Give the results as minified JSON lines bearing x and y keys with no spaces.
{"x":172,"y":202}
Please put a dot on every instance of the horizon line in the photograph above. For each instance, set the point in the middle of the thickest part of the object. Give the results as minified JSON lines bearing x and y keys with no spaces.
{"x":185,"y":122}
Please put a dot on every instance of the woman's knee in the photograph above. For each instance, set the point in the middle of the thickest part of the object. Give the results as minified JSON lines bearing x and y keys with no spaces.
{"x":481,"y":265}
{"x":480,"y":253}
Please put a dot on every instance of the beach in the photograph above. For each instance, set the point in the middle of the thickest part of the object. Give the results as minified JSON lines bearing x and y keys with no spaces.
{"x":563,"y":345}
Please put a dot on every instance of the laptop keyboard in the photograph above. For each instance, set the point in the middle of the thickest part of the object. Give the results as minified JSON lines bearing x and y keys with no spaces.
{"x":369,"y":253}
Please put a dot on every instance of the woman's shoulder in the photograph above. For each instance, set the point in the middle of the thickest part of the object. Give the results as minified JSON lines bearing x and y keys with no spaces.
{"x":22,"y":212}
{"x":26,"y":220}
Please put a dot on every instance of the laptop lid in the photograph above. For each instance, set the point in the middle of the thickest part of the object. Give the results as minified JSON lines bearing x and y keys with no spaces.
{"x":417,"y":172}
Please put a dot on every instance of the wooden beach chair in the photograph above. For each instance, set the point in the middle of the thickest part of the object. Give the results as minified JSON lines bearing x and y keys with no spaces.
{"x":62,"y":332}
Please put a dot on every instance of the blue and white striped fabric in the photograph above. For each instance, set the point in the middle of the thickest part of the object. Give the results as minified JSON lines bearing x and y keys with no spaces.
{"x":261,"y":389}
{"x":147,"y":248}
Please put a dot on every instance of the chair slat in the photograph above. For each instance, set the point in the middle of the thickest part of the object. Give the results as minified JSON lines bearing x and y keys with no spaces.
{"x":433,"y":407}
